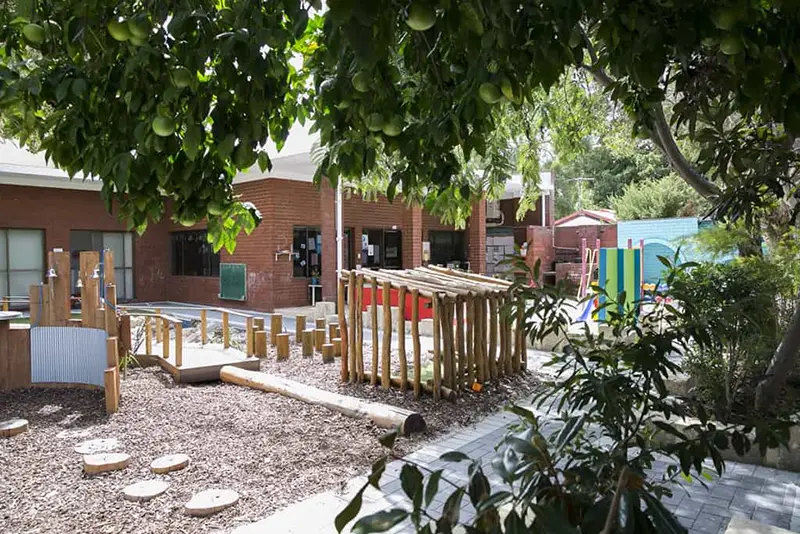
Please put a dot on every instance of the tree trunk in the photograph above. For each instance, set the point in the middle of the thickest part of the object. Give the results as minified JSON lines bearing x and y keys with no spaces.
{"x":382,"y":415}
{"x":782,"y":363}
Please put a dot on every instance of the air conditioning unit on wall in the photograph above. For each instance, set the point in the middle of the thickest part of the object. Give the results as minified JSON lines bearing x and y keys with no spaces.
{"x":494,"y":215}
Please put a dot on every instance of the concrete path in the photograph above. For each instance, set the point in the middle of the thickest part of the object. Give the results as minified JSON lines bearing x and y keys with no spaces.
{"x":768,"y":496}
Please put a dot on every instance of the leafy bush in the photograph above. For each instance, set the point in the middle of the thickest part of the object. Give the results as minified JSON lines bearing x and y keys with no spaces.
{"x":657,"y":199}
{"x":594,"y":472}
{"x":732,"y":314}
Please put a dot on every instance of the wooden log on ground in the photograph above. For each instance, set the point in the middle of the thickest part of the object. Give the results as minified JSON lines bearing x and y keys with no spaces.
{"x":415,"y":342}
{"x":282,"y":346}
{"x":148,"y":336}
{"x":319,"y":338}
{"x":226,"y":330}
{"x":261,"y":344}
{"x":374,"y":317}
{"x":437,"y":355}
{"x":381,"y":415}
{"x":359,"y":331}
{"x":299,"y":327}
{"x":447,"y":393}
{"x":349,"y":328}
{"x":337,"y":347}
{"x":327,"y":352}
{"x":386,"y":356}
{"x":341,"y":350}
{"x":321,"y":322}
{"x":470,"y":342}
{"x":275,"y":327}
{"x":462,"y":356}
{"x":308,"y":342}
{"x":203,"y":326}
{"x":401,"y":337}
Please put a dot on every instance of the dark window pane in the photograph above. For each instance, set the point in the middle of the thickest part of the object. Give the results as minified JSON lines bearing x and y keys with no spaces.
{"x":447,"y":247}
{"x":193,"y":255}
{"x":307,"y":249}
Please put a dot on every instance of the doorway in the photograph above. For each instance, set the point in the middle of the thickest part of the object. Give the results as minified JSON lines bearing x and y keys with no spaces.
{"x":382,"y":249}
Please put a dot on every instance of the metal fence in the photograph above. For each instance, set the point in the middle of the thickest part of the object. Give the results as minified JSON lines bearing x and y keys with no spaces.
{"x":68,"y":355}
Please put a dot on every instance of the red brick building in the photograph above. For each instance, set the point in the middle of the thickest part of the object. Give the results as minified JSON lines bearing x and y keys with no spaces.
{"x":41,"y":209}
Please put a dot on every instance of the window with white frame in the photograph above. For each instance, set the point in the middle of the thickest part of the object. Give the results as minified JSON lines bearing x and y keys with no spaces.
{"x":121,"y":246}
{"x":21,"y":260}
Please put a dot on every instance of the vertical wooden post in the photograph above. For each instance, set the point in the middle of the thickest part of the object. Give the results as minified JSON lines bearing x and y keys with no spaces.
{"x":5,"y":304}
{"x":109,"y":276}
{"x":319,"y":338}
{"x":359,"y":329}
{"x":112,"y":360}
{"x":374,"y":317}
{"x":345,"y":364}
{"x":337,"y":346}
{"x":509,"y":337}
{"x":386,"y":360}
{"x":34,"y":305}
{"x":179,"y":344}
{"x":470,"y":339}
{"x":99,"y":316}
{"x":60,"y":287}
{"x":203,"y":326}
{"x":158,"y":326}
{"x":501,"y":359}
{"x":350,"y":341}
{"x":327,"y":353}
{"x":110,"y":386}
{"x":437,"y":359}
{"x":258,"y":324}
{"x":299,"y":327}
{"x":148,"y":336}
{"x":517,"y":339}
{"x":275,"y":327}
{"x":282,"y":347}
{"x":480,"y":338}
{"x":111,"y":324}
{"x":165,"y":338}
{"x":261,"y":343}
{"x":89,"y":260}
{"x":333,"y":331}
{"x":415,"y":342}
{"x":493,"y":371}
{"x":226,"y":331}
{"x":321,"y":323}
{"x":521,"y":351}
{"x":45,"y":307}
{"x":401,"y":337}
{"x":462,"y":357}
{"x":249,"y":341}
{"x":444,"y":317}
{"x":308,"y":342}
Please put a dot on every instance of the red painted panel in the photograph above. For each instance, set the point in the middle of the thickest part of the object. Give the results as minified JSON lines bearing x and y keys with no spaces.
{"x":425,"y":306}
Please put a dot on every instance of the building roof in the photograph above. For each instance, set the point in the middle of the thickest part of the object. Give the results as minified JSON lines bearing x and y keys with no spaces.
{"x":603,"y":216}
{"x":19,"y":166}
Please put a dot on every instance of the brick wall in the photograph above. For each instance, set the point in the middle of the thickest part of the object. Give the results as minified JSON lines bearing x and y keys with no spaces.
{"x":540,"y":247}
{"x":413,"y":236}
{"x":571,"y":236}
{"x":570,"y":272}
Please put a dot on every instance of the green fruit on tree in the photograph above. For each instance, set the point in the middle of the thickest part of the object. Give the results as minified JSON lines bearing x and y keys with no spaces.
{"x":724,"y":19}
{"x":731,"y":45}
{"x":394,"y":127}
{"x":141,"y":203}
{"x":574,"y":38}
{"x":119,"y":30}
{"x":33,"y":33}
{"x":244,"y":157}
{"x":507,"y":89}
{"x":187,"y":221}
{"x":182,"y":77}
{"x":421,"y":16}
{"x":375,"y":122}
{"x":163,"y":126}
{"x":135,"y":41}
{"x":216,"y":208}
{"x":360,"y":82}
{"x":470,"y":18}
{"x":139,"y":27}
{"x":489,"y":93}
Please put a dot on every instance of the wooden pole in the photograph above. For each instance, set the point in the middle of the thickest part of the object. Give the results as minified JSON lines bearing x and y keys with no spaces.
{"x":112,"y":360}
{"x":299,"y":327}
{"x":337,"y":347}
{"x":501,"y":359}
{"x":509,"y":338}
{"x":110,"y":386}
{"x":110,"y":318}
{"x":359,"y":329}
{"x":342,"y":349}
{"x":518,"y":339}
{"x":415,"y":342}
{"x":249,"y":337}
{"x":275,"y":327}
{"x":261,"y":343}
{"x":319,"y":338}
{"x":282,"y":346}
{"x":462,"y":357}
{"x":258,"y":324}
{"x":321,"y":323}
{"x":401,"y":337}
{"x":226,"y":331}
{"x":203,"y":326}
{"x":327,"y":353}
{"x":333,"y":330}
{"x":447,"y":393}
{"x":99,"y":315}
{"x":179,"y":344}
{"x":479,"y":334}
{"x":148,"y":336}
{"x":493,"y":371}
{"x":165,"y":338}
{"x":437,"y":357}
{"x":521,"y":352}
{"x":308,"y":342}
{"x":350,"y":340}
{"x":158,"y":327}
{"x":444,"y":317}
{"x":374,"y":318}
{"x":386,"y":360}
{"x":470,"y":341}
{"x":5,"y":304}
{"x":60,"y":262}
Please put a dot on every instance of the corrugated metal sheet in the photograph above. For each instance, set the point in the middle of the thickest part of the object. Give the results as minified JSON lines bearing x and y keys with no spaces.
{"x":68,"y":355}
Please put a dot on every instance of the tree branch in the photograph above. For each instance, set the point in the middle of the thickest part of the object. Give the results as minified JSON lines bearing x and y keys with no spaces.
{"x":662,"y":137}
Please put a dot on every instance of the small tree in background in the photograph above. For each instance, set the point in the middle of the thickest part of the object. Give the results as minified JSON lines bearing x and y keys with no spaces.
{"x":659,"y":199}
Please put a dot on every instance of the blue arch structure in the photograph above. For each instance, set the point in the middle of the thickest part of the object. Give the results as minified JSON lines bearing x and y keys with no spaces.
{"x":653,"y":268}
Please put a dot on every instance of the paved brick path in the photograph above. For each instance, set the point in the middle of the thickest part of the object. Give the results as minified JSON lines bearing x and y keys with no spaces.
{"x":766,"y":495}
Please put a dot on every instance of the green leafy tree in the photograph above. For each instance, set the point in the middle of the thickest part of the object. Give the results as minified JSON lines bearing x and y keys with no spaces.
{"x":658,"y":199}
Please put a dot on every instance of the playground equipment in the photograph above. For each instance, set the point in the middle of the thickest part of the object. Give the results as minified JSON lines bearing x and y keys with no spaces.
{"x":614,"y":270}
{"x":471,"y":344}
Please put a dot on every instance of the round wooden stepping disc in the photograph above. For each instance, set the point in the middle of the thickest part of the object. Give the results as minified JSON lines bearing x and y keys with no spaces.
{"x":171,"y":462}
{"x":145,"y":490}
{"x":96,"y":446}
{"x":102,"y":463}
{"x":210,"y":502}
{"x":12,"y":427}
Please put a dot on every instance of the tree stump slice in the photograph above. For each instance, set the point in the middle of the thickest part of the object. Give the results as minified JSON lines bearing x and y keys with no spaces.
{"x":145,"y":490}
{"x":12,"y":427}
{"x":94,"y":464}
{"x":210,"y":502}
{"x":97,"y":446}
{"x":169,"y":463}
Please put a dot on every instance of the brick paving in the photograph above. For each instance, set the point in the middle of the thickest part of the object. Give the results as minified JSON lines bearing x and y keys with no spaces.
{"x":769,"y":496}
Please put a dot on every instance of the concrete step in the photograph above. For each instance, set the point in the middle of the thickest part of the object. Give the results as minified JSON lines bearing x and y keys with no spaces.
{"x":740,"y":525}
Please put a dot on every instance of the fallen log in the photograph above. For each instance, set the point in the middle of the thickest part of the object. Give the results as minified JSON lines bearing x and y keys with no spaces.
{"x":382,"y":415}
{"x":447,"y":393}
